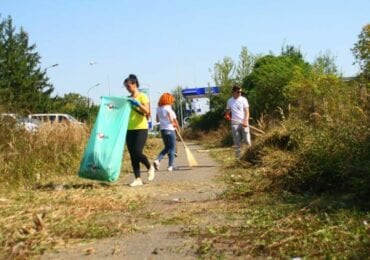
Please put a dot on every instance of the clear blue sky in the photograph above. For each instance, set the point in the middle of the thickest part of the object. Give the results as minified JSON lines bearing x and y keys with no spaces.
{"x":167,"y":43}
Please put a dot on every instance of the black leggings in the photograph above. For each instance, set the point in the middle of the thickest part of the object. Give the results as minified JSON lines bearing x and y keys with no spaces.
{"x":135,"y":140}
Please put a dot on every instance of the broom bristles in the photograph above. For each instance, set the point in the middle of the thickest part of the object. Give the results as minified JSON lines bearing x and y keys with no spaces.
{"x":191,"y":160}
{"x":189,"y":156}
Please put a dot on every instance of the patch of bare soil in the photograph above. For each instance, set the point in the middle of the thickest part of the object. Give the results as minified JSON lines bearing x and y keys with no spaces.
{"x":176,"y":202}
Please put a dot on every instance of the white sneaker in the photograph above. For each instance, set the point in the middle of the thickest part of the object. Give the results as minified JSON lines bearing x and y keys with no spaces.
{"x":170,"y":169}
{"x":151,"y":173}
{"x":136,"y":182}
{"x":156,"y":165}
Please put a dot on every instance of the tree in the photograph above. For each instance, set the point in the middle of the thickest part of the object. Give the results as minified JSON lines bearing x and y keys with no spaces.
{"x":267,"y":85}
{"x":325,"y":64}
{"x":76,"y":105}
{"x":224,"y":78}
{"x":179,"y":105}
{"x":361,"y":51}
{"x":223,"y":72}
{"x":245,"y":65}
{"x":24,"y":87}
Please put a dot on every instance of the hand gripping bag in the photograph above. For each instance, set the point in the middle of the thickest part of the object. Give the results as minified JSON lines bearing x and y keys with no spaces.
{"x":103,"y":155}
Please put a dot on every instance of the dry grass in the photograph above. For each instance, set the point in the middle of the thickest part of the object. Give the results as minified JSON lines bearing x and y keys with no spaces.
{"x":43,"y":203}
{"x":262,"y":220}
{"x":52,"y":151}
{"x":33,"y":221}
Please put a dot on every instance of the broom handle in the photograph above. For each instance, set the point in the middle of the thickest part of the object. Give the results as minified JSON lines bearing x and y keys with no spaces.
{"x":178,"y":132}
{"x":251,"y":127}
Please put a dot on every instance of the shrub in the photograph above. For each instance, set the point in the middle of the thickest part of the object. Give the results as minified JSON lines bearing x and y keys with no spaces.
{"x":334,"y":147}
{"x":209,"y":121}
{"x":328,"y":156}
{"x":319,"y":152}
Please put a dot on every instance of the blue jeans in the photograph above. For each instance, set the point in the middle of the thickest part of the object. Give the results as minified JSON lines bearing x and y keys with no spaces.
{"x":169,"y":141}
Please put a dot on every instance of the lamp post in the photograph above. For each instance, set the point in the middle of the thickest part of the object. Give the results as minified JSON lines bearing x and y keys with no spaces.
{"x":93,"y":63}
{"x":51,"y":66}
{"x":181,"y":115}
{"x":88,"y":91}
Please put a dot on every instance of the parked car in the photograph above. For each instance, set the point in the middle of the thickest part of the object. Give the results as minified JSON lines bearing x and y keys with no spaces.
{"x":29,"y":124}
{"x":55,"y":118}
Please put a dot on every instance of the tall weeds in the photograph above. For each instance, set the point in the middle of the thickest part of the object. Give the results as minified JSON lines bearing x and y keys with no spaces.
{"x":326,"y":138}
{"x":333,"y":143}
{"x":55,"y":150}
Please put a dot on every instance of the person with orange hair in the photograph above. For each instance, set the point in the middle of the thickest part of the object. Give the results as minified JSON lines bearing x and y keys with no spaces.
{"x":168,"y":124}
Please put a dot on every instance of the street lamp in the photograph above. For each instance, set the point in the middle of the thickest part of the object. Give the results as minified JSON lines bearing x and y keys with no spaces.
{"x":88,"y":91}
{"x":52,"y":66}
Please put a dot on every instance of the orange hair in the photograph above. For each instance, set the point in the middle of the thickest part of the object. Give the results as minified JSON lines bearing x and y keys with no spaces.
{"x":166,"y":99}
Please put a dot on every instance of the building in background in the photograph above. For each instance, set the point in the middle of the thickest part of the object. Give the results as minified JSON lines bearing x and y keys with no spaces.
{"x":199,"y":99}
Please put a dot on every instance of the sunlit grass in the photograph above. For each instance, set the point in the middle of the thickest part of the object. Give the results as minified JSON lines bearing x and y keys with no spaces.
{"x":33,"y":221}
{"x":262,"y":220}
{"x":44,"y":204}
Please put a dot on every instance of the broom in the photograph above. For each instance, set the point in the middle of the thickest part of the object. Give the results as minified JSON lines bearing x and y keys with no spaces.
{"x":189,"y":156}
{"x":252,"y":127}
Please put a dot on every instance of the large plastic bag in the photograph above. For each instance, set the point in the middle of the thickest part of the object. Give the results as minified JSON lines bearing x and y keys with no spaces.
{"x":103,"y":155}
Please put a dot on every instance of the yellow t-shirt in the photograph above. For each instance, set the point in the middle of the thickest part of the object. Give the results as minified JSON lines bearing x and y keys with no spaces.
{"x":138,"y":120}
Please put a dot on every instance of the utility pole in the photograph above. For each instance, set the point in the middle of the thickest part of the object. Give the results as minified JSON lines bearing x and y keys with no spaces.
{"x":181,"y":117}
{"x":88,"y":91}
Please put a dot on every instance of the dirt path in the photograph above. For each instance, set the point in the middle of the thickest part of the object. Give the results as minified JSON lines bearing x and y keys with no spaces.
{"x":175,"y":201}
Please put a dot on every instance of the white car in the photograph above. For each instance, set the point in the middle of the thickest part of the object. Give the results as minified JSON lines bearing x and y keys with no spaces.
{"x":54,"y":118}
{"x":30,"y":125}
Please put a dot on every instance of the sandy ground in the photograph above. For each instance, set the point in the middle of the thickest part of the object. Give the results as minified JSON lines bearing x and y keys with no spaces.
{"x":171,"y":194}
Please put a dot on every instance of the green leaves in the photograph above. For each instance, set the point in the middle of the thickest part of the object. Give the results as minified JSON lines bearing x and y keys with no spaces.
{"x":23,"y":85}
{"x":361,"y":51}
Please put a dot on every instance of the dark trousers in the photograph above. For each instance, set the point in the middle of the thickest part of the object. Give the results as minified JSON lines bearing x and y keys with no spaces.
{"x":135,"y":140}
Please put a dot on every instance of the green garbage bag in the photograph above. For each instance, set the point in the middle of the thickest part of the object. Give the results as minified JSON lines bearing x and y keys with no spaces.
{"x":103,"y":155}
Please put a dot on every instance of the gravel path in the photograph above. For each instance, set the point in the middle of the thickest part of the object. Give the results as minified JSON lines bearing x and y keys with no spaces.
{"x":172,"y":195}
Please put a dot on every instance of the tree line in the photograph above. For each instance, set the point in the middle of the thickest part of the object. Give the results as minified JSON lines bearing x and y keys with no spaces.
{"x":275,"y":83}
{"x":24,"y":86}
{"x":316,"y":121}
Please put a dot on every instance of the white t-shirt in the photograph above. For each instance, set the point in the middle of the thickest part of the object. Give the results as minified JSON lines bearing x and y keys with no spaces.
{"x":237,"y":107}
{"x":163,"y":113}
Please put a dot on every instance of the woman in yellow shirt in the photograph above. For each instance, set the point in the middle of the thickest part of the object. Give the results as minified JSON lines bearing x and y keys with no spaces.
{"x":137,"y":132}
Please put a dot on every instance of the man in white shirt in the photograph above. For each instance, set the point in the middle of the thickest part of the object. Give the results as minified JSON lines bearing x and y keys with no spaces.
{"x":238,"y":106}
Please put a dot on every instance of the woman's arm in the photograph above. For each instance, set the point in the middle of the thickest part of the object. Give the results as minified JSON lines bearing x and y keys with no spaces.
{"x":145,"y":108}
{"x":173,"y":120}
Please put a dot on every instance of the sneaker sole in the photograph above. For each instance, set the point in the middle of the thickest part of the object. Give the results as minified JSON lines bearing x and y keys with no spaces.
{"x":136,"y":185}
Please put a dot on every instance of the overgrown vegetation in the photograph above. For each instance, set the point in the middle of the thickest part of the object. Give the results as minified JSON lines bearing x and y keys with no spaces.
{"x":55,"y":150}
{"x":324,"y":119}
{"x":302,"y":189}
{"x":263,"y":221}
{"x":43,"y":203}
